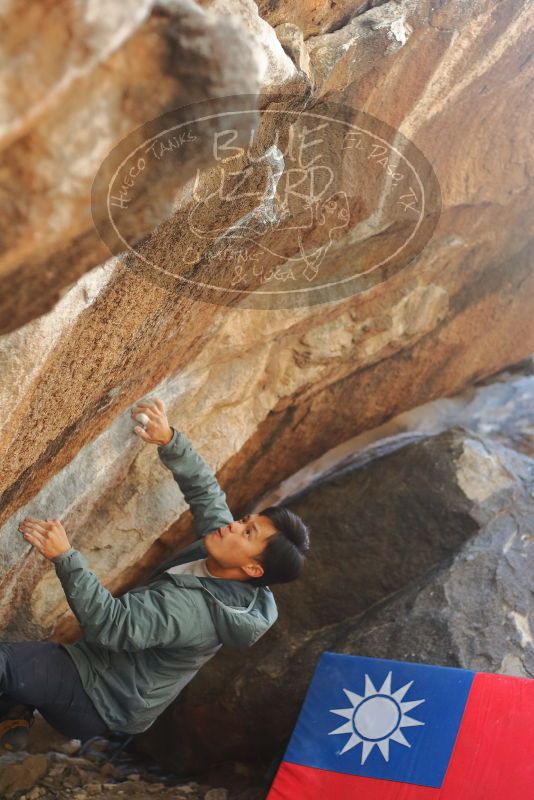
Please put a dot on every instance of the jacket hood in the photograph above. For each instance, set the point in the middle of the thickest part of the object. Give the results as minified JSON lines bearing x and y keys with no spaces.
{"x":241,"y":613}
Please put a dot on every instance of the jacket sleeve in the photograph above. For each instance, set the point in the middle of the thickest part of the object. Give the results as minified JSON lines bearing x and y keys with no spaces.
{"x":134,"y":621}
{"x":197,"y":483}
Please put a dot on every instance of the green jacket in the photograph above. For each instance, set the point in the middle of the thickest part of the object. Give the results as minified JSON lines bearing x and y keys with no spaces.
{"x":140,"y":649}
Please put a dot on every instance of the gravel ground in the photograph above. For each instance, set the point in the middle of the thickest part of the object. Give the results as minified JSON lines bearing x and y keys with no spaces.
{"x":54,"y":767}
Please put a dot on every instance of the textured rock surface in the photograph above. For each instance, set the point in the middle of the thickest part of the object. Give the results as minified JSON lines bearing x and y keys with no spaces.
{"x":244,"y":384}
{"x":261,"y":393}
{"x":499,"y":407}
{"x":78,"y":80}
{"x":374,"y":587}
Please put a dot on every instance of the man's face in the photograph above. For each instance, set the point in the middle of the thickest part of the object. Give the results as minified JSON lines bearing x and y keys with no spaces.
{"x":239,"y":543}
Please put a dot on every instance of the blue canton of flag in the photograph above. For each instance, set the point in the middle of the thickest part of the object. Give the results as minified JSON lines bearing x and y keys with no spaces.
{"x":376,"y":718}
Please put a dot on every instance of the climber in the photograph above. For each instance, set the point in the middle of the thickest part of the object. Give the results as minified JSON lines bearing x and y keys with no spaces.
{"x":140,"y":649}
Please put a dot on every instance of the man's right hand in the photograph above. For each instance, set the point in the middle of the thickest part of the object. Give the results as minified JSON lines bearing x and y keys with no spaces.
{"x":157,"y":431}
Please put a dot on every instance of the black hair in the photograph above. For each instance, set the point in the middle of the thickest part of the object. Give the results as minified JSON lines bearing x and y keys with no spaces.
{"x":283,"y":556}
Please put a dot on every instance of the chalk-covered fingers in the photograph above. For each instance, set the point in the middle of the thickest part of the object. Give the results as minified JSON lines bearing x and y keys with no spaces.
{"x":157,"y":430}
{"x":47,"y":536}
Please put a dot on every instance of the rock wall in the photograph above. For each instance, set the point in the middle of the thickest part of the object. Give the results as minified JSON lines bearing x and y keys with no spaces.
{"x":260,"y":392}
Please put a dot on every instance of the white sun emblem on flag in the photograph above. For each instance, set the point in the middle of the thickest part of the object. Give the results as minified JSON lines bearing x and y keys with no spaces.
{"x":376,"y":718}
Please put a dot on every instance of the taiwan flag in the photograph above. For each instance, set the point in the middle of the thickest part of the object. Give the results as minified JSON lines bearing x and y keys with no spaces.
{"x":373,"y":729}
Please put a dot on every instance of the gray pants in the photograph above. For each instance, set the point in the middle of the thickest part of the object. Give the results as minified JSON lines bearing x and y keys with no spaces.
{"x":42,"y":675}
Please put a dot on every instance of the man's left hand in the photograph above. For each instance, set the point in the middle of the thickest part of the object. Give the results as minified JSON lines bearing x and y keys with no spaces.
{"x":48,"y":536}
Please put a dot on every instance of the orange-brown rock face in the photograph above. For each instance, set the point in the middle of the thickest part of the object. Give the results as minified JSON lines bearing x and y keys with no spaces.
{"x":260,"y":390}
